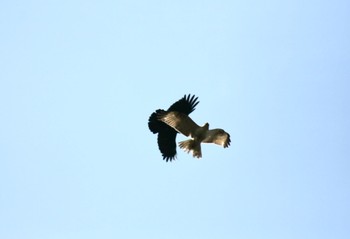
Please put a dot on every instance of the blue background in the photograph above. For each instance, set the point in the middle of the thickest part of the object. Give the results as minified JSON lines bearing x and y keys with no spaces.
{"x":79,"y":79}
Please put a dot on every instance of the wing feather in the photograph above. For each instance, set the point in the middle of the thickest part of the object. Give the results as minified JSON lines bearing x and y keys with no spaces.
{"x":218,"y":136}
{"x":185,"y":105}
{"x":167,"y":144}
{"x":179,"y":121}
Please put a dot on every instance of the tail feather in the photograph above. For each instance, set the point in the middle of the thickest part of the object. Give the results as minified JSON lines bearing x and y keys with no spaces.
{"x":191,"y":145}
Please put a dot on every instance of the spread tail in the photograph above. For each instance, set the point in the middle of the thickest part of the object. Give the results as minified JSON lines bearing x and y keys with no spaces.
{"x":191,"y":145}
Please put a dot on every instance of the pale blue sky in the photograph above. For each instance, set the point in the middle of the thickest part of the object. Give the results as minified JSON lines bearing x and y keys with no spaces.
{"x":79,"y":79}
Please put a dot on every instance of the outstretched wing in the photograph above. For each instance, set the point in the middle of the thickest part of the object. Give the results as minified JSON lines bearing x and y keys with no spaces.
{"x":180,"y":122}
{"x":218,"y":136}
{"x":167,"y":144}
{"x":185,"y":105}
{"x":166,"y":134}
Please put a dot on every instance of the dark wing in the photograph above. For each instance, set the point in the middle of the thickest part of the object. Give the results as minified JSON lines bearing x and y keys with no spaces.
{"x":167,"y":144}
{"x":180,"y":122}
{"x":218,"y":136}
{"x":185,"y":105}
{"x":166,"y":134}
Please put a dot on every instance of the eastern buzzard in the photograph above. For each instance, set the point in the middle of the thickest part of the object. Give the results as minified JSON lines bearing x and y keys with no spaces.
{"x":176,"y":119}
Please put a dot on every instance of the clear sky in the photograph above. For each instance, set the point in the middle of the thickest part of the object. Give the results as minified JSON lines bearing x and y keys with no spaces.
{"x":79,"y":79}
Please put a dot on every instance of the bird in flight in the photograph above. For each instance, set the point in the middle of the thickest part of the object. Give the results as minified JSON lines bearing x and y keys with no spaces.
{"x":179,"y":122}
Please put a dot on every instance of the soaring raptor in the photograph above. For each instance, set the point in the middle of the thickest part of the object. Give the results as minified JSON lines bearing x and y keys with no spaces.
{"x":182,"y":123}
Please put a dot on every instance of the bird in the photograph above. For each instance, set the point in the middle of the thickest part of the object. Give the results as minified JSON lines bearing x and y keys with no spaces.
{"x":183,"y":124}
{"x":166,"y":137}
